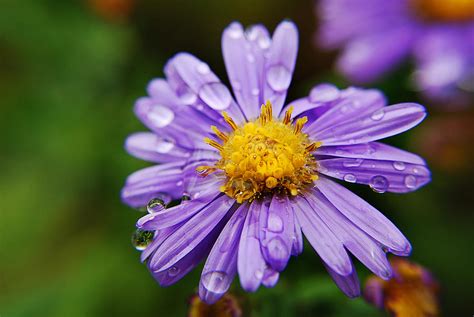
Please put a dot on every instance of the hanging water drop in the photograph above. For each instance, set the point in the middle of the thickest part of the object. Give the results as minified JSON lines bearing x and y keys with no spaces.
{"x":379,"y":184}
{"x":142,"y":238}
{"x":378,"y":114}
{"x":399,"y":166}
{"x":155,"y":205}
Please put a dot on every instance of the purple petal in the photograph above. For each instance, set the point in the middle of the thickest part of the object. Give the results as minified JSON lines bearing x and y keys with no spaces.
{"x":221,"y":265}
{"x":276,"y":231}
{"x":160,"y":236}
{"x":171,"y":216}
{"x":244,"y":60}
{"x":150,"y":147}
{"x":297,"y":247}
{"x":280,"y":64}
{"x":373,"y":292}
{"x":324,"y":242}
{"x":188,"y":236}
{"x":381,"y":176}
{"x":270,"y":277}
{"x":371,"y":150}
{"x":367,"y":58}
{"x":250,"y":262}
{"x":353,"y":238}
{"x":382,"y":123}
{"x":353,"y":104}
{"x":364,"y":216}
{"x":349,"y":284}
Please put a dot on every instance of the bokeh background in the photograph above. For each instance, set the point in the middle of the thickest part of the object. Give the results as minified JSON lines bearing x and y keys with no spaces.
{"x":69,"y":74}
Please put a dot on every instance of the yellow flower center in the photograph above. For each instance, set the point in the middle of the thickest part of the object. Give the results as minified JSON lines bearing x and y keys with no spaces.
{"x":445,"y":10}
{"x":264,"y":156}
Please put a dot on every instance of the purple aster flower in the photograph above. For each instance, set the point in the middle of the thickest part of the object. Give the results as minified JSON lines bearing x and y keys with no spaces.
{"x":377,"y":36}
{"x":261,"y":179}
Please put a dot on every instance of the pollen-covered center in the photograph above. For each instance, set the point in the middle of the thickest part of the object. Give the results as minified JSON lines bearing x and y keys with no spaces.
{"x":264,"y":156}
{"x":444,"y":10}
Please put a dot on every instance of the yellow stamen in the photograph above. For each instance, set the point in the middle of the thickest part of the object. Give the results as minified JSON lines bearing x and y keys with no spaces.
{"x":287,"y":118}
{"x":229,"y":120}
{"x":220,"y":134}
{"x":300,"y":123}
{"x":213,"y":143}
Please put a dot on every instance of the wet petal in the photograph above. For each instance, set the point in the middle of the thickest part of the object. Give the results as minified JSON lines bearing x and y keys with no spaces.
{"x":280,"y":64}
{"x":188,"y":236}
{"x":323,"y":240}
{"x":364,"y":216}
{"x":250,"y":262}
{"x":349,"y":284}
{"x":382,"y":123}
{"x":297,"y":247}
{"x":150,"y":147}
{"x":353,"y":238}
{"x":221,"y":264}
{"x":270,"y":277}
{"x":276,"y":231}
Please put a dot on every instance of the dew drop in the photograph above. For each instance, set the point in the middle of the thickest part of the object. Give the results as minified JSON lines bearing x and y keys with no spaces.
{"x":399,"y":166}
{"x":173,"y":271}
{"x":155,"y":205}
{"x":277,"y":248}
{"x":410,"y":181}
{"x":216,"y":96}
{"x":187,"y":96}
{"x":379,"y":184}
{"x":353,"y":162}
{"x":274,"y":222}
{"x":350,"y":178}
{"x":250,"y":58}
{"x":142,"y":238}
{"x":179,"y":183}
{"x":378,"y":114}
{"x":259,"y":274}
{"x":264,"y":42}
{"x":323,"y":93}
{"x":278,"y":77}
{"x":255,"y":91}
{"x":216,"y":281}
{"x":203,"y":68}
{"x":235,"y":31}
{"x":163,"y":146}
{"x":160,"y":116}
{"x":185,"y":197}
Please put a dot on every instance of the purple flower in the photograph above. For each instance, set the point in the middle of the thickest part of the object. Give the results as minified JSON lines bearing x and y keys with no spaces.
{"x":377,"y":36}
{"x":263,"y":178}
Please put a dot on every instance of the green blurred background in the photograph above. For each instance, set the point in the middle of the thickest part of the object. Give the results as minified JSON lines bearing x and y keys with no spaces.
{"x":69,"y":74}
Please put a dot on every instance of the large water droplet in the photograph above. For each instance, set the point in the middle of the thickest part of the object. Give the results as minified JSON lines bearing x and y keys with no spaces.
{"x":216,"y":96}
{"x":203,"y":68}
{"x":155,"y":205}
{"x":160,"y":115}
{"x":352,"y":162}
{"x":410,"y":181}
{"x":350,"y":178}
{"x":142,"y":238}
{"x":278,"y":249}
{"x":378,"y":114}
{"x":323,"y":93}
{"x":399,"y":166}
{"x":278,"y":77}
{"x":379,"y":184}
{"x":274,"y":222}
{"x":216,"y":282}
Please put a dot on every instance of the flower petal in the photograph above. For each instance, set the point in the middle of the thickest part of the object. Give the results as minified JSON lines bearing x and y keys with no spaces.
{"x":297,"y":246}
{"x":270,"y":277}
{"x":382,"y":123}
{"x":280,"y":64}
{"x":349,"y":284}
{"x":353,"y":238}
{"x":276,"y":231}
{"x":381,"y":176}
{"x":188,"y":236}
{"x":150,"y":147}
{"x":250,"y":262}
{"x":221,"y":264}
{"x":324,"y":242}
{"x":371,"y":150}
{"x":244,"y":60}
{"x":364,"y":216}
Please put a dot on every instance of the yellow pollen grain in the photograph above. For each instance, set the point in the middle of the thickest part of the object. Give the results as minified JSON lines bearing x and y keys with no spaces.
{"x":264,"y":156}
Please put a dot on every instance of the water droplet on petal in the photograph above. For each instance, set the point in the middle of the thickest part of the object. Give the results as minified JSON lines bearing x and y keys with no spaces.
{"x":323,"y":93}
{"x":173,"y":271}
{"x":379,"y":184}
{"x":250,"y":58}
{"x":278,"y":77}
{"x":378,"y":114}
{"x":399,"y":166}
{"x":277,"y":248}
{"x":236,"y":85}
{"x":163,"y":146}
{"x":353,"y":162}
{"x":259,"y":274}
{"x":142,"y":238}
{"x":274,"y":222}
{"x":185,"y":197}
{"x":235,"y":31}
{"x":203,"y":68}
{"x":255,"y":91}
{"x":155,"y":205}
{"x":264,"y":42}
{"x":216,"y":281}
{"x":216,"y":96}
{"x":350,"y":178}
{"x":187,"y":96}
{"x":410,"y":181}
{"x":160,"y":116}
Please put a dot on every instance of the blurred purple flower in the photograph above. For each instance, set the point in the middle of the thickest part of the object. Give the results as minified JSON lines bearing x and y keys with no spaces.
{"x":267,"y":182}
{"x":378,"y":35}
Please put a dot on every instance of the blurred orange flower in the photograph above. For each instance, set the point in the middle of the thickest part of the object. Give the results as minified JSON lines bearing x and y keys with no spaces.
{"x":227,"y":306}
{"x":113,"y":10}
